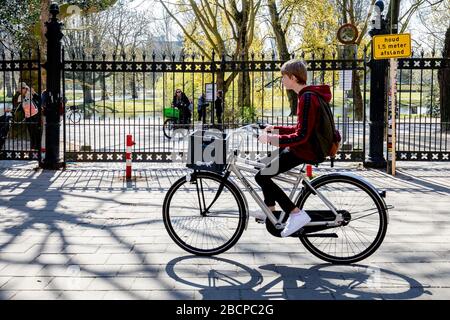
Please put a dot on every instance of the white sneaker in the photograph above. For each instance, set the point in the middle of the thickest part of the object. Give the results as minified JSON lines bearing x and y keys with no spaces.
{"x":258,"y":215}
{"x":295,"y":222}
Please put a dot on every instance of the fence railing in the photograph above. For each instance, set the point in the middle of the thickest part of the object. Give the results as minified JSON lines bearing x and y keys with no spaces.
{"x":109,"y":97}
{"x":116,"y":96}
{"x":20,"y":137}
{"x":423,"y":124}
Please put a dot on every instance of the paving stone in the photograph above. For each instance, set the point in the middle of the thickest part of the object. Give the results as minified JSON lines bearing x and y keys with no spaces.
{"x":37,"y":295}
{"x":27,"y":283}
{"x":84,"y":234}
{"x":82,"y":295}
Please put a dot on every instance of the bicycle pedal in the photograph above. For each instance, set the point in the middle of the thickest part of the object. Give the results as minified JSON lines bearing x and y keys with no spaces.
{"x":262,"y":221}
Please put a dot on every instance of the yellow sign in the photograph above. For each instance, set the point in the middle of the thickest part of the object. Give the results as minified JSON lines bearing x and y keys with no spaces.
{"x":388,"y":46}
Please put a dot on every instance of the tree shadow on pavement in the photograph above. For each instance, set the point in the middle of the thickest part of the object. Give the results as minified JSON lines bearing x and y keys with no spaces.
{"x":33,"y":207}
{"x":220,"y":278}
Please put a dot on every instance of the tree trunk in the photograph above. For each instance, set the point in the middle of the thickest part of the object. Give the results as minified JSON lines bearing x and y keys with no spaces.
{"x":358,"y":103}
{"x":283,"y":51}
{"x":134,"y":92}
{"x":87,"y":94}
{"x":444,"y":87}
{"x":45,"y":16}
{"x":8,"y":85}
{"x":244,"y":90}
{"x":242,"y":19}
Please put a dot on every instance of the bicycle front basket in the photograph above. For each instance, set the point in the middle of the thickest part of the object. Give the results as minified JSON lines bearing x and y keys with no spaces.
{"x":207,"y":150}
{"x":171,"y":113}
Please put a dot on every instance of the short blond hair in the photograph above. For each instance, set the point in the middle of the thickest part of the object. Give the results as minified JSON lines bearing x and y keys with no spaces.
{"x":295,"y":68}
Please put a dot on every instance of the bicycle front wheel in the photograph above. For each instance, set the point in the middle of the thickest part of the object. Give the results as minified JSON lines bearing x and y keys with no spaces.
{"x":364,"y":213}
{"x":204,"y":214}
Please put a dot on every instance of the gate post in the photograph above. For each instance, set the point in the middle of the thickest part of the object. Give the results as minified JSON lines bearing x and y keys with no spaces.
{"x":53,"y":66}
{"x":377,"y":98}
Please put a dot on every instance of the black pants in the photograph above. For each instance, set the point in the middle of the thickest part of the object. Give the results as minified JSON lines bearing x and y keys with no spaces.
{"x":185,"y":117}
{"x":285,"y":161}
{"x":202,"y":115}
{"x":34,"y":130}
{"x":219,"y":120}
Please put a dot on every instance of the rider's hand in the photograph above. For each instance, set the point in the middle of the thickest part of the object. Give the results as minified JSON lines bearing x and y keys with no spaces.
{"x":268,"y":128}
{"x":264,"y":138}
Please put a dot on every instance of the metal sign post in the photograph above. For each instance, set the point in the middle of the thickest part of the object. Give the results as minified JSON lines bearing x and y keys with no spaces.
{"x":392,"y":46}
{"x":392,"y":114}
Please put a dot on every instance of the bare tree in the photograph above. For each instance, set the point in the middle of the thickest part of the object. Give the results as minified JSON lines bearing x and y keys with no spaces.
{"x":214,"y":20}
{"x":118,"y":31}
{"x":356,"y":12}
{"x":280,"y":26}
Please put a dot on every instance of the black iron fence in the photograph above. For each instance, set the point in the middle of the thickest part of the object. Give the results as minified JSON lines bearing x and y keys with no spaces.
{"x":20,"y":132}
{"x":109,"y":98}
{"x":106,"y":98}
{"x":423,"y":124}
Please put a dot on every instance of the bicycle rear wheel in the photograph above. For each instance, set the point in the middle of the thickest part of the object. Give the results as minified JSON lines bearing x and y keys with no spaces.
{"x":204,"y":214}
{"x":174,"y":130}
{"x":364,"y":213}
{"x":169,"y":128}
{"x":75,"y":117}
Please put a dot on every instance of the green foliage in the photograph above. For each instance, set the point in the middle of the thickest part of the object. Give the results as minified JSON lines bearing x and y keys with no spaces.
{"x":20,"y":19}
{"x":17,"y":18}
{"x":320,"y":25}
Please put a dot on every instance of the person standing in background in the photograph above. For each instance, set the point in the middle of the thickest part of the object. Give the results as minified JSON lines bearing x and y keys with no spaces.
{"x":202,"y":105}
{"x":30,"y":102}
{"x":181,"y":102}
{"x":218,"y":106}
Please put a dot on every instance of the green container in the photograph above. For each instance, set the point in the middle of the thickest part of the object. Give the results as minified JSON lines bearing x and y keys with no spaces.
{"x":171,"y":113}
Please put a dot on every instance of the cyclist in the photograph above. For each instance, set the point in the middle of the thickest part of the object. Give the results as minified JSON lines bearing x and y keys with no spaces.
{"x":181,"y":102}
{"x":296,"y":143}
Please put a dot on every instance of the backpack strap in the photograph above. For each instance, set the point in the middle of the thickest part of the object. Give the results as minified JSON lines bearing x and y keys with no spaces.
{"x":327,"y":110}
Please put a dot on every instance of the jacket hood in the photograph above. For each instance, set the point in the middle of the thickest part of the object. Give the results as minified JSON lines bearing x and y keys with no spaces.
{"x":322,"y":90}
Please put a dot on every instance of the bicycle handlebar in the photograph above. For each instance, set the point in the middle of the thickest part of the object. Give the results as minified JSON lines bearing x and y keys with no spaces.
{"x":252,"y":128}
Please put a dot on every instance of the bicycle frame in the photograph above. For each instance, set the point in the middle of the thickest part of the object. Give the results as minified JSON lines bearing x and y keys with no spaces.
{"x":237,"y":170}
{"x":237,"y":166}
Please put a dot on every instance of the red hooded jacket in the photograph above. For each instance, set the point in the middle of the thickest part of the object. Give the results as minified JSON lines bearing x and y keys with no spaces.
{"x":298,"y":137}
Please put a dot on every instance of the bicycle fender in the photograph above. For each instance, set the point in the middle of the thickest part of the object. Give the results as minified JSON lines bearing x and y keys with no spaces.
{"x":379,"y":194}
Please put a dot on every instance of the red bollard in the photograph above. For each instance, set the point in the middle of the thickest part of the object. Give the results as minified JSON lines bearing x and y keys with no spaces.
{"x":309,"y":171}
{"x":128,"y":156}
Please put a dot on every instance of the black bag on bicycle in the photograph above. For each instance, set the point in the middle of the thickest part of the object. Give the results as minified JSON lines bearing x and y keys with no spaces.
{"x":207,"y":151}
